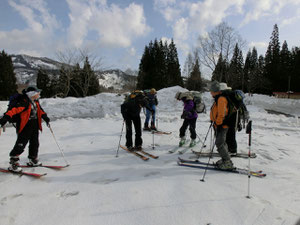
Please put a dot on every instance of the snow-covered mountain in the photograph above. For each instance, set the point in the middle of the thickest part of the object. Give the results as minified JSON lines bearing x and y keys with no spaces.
{"x":26,"y":69}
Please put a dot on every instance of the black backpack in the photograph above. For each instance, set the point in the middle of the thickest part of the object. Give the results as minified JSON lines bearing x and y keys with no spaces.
{"x":14,"y":101}
{"x":235,"y":99}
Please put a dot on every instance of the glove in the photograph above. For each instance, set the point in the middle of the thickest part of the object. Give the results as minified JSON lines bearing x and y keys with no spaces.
{"x":3,"y":120}
{"x":152,"y":111}
{"x":47,"y":120}
{"x":184,"y":115}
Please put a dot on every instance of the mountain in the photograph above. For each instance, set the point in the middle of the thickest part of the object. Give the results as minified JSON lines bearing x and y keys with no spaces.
{"x":26,"y":68}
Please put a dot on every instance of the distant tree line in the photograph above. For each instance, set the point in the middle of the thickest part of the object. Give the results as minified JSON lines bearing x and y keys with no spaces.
{"x":278,"y":70}
{"x":71,"y":81}
{"x":159,"y":66}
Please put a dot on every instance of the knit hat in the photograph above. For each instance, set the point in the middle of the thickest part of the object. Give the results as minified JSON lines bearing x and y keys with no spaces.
{"x":31,"y":91}
{"x":223,"y":87}
{"x":215,"y":86}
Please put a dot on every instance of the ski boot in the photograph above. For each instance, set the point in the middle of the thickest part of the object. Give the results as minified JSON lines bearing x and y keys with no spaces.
{"x":192,"y":143}
{"x":14,"y":165}
{"x":34,"y":162}
{"x":225,"y":164}
{"x":146,"y":127}
{"x":182,"y":141}
{"x":153,"y":126}
{"x":138,"y":148}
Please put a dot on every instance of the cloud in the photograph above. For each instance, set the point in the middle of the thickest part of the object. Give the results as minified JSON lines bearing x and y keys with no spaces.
{"x":258,"y":9}
{"x":115,"y":26}
{"x":189,"y":19}
{"x":37,"y":37}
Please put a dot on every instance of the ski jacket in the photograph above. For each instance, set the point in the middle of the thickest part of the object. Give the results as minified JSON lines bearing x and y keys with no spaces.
{"x":219,"y":111}
{"x":189,"y":110}
{"x":23,"y":108}
{"x":132,"y":108}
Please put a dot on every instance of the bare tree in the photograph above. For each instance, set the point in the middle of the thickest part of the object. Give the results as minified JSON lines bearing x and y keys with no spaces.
{"x":71,"y":59}
{"x":220,"y":41}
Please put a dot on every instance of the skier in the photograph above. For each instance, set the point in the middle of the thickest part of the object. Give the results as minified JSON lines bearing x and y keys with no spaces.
{"x":153,"y":102}
{"x":130,"y":110}
{"x":29,"y":114}
{"x":190,"y":117}
{"x":232,"y":127}
{"x":219,"y":111}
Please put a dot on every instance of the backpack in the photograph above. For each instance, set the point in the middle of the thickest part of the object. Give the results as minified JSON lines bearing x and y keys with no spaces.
{"x":199,"y":105}
{"x":14,"y":100}
{"x":135,"y":95}
{"x":235,"y":99}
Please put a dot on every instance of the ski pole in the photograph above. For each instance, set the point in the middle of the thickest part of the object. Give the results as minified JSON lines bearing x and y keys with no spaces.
{"x":210,"y":155}
{"x":61,"y":151}
{"x":153,"y":145}
{"x":249,"y":131}
{"x":203,"y":143}
{"x":120,"y":139}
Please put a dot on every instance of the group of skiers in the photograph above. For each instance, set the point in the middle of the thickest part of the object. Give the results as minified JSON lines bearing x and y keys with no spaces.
{"x":28,"y":115}
{"x":225,"y":121}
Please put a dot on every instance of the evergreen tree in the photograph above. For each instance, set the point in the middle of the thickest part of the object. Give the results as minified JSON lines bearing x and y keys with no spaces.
{"x":173,"y":67}
{"x":235,"y":76}
{"x":7,"y":77}
{"x":221,"y":70}
{"x":285,"y":68}
{"x":43,"y":82}
{"x":194,"y":81}
{"x":76,"y":83}
{"x":90,"y":80}
{"x":272,"y":61}
{"x":159,"y":66}
{"x":295,"y":70}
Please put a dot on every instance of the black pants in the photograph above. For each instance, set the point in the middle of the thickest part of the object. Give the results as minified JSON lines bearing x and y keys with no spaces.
{"x":191,"y":124}
{"x":231,"y":140}
{"x":29,"y":133}
{"x":138,"y":131}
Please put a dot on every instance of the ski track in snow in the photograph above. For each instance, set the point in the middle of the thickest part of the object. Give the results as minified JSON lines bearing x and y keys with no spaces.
{"x":100,"y":188}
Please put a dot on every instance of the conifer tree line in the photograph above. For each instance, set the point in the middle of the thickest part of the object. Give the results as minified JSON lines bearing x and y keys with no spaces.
{"x":159,"y":66}
{"x":277,"y":71}
{"x":70,"y":81}
{"x":7,"y":77}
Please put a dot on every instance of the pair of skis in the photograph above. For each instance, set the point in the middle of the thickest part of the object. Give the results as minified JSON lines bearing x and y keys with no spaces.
{"x":159,"y":132}
{"x":211,"y":166}
{"x":216,"y":154}
{"x":35,"y":175}
{"x":141,"y":153}
{"x":183,"y":149}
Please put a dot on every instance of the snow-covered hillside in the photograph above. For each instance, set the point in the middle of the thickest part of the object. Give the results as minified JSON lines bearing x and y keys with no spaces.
{"x":26,"y":69}
{"x":102,"y":189}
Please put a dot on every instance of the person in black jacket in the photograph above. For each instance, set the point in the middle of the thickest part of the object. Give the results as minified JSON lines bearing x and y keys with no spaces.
{"x":130,"y":110}
{"x":29,"y":116}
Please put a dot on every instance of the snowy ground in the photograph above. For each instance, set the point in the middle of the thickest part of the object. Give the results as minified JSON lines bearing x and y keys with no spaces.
{"x":102,"y":189}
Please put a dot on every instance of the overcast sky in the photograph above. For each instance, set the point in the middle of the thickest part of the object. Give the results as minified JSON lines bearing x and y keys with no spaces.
{"x":118,"y":30}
